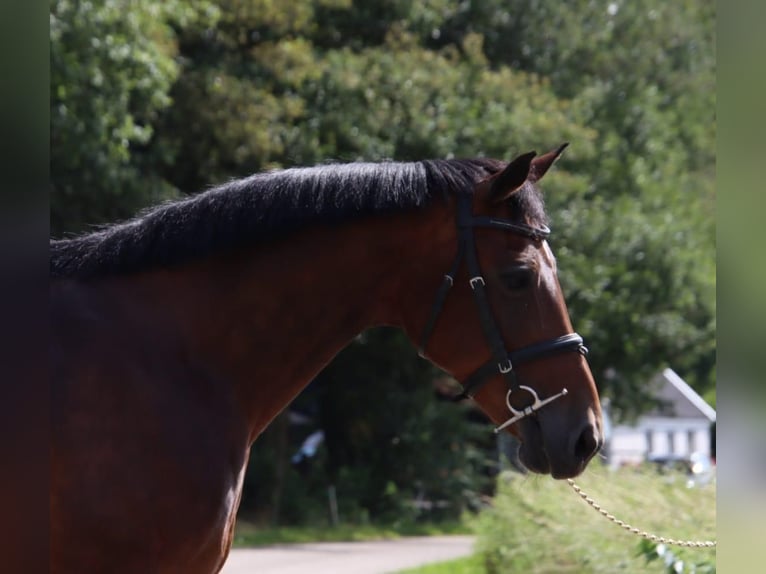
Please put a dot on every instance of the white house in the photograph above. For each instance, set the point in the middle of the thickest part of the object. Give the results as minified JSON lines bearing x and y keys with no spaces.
{"x":681,"y":426}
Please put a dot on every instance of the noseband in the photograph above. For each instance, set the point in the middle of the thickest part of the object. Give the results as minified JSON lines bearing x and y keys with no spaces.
{"x":503,"y":361}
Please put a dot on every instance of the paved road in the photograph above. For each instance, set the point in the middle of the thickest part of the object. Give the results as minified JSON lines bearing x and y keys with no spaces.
{"x":377,"y":557}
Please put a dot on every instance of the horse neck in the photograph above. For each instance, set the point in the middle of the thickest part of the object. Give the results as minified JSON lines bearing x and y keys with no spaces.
{"x":268,"y":320}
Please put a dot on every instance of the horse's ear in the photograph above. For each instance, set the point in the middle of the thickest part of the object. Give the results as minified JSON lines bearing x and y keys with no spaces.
{"x":540,"y":165}
{"x":511,"y":178}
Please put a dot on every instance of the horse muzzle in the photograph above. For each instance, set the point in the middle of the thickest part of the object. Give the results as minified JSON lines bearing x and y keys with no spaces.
{"x":547,"y":448}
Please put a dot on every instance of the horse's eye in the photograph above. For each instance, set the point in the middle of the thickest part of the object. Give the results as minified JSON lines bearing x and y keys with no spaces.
{"x":517,"y":279}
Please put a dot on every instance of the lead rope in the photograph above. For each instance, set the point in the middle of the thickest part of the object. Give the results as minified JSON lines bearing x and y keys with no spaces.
{"x":636,"y":531}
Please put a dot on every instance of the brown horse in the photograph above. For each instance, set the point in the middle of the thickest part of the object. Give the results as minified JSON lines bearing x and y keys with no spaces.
{"x":178,"y":336}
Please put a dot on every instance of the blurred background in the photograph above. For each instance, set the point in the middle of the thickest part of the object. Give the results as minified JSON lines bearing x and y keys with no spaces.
{"x":151,"y":101}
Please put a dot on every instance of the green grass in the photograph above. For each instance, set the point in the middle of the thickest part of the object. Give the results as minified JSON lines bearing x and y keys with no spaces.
{"x":248,"y":534}
{"x":469,"y":565}
{"x":540,"y":526}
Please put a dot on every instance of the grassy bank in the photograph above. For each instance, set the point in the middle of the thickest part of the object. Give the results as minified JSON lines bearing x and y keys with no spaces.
{"x":540,"y":526}
{"x":248,"y":534}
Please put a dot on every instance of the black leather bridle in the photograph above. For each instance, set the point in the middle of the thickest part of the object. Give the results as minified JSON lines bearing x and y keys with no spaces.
{"x":502,"y":361}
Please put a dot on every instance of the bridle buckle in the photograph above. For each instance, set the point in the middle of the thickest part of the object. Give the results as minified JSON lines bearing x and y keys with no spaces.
{"x":506,"y":367}
{"x":478,"y":280}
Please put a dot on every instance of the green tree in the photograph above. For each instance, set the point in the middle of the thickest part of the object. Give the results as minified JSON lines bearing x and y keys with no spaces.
{"x":634,"y":217}
{"x":404,"y":102}
{"x":111,"y":74}
{"x":267,"y":101}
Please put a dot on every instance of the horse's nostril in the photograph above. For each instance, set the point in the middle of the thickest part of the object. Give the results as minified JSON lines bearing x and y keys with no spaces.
{"x":587,"y":443}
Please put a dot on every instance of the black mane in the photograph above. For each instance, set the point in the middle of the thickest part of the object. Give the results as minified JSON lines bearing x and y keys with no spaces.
{"x":264,"y":207}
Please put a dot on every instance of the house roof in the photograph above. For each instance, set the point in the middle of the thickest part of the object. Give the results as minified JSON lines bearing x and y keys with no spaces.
{"x":679,"y":399}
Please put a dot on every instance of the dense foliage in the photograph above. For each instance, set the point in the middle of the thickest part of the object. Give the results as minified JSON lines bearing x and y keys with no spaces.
{"x":163,"y":99}
{"x":388,"y":443}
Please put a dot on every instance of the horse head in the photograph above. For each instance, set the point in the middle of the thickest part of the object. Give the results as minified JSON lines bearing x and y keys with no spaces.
{"x":500,"y":325}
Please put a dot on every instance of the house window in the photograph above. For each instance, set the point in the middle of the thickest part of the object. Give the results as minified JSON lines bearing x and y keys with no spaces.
{"x":649,"y":442}
{"x":671,"y":442}
{"x":691,"y":436}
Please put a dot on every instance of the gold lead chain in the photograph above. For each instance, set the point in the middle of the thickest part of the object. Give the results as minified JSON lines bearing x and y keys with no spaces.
{"x":641,"y":533}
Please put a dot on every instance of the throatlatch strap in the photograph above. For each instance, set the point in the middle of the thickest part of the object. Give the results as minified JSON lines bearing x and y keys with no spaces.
{"x":441,"y":297}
